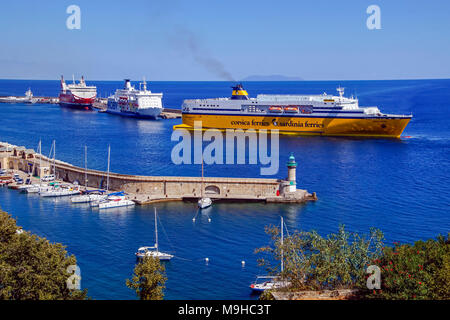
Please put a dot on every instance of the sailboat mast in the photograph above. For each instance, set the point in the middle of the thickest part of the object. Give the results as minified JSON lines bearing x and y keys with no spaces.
{"x":107,"y":175}
{"x":202,"y":177}
{"x":282,"y":239}
{"x":85,"y":167}
{"x":156,"y":233}
{"x":54,"y":157}
{"x":40,"y":162}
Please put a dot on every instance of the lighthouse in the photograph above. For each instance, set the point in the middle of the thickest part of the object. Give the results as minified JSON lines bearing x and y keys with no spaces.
{"x":292,"y":166}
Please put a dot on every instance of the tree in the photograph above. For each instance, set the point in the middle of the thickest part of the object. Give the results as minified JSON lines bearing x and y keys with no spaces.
{"x":31,"y":267}
{"x":312,"y":262}
{"x":419,"y":271}
{"x":148,"y":279}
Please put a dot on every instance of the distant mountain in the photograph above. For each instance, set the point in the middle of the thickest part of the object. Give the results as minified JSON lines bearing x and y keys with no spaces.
{"x":274,"y":77}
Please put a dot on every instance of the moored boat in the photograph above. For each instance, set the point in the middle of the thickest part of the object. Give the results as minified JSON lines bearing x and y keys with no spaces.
{"x":132,"y":102}
{"x":77,"y":95}
{"x":115,"y":202}
{"x":263,"y":283}
{"x":153,"y":251}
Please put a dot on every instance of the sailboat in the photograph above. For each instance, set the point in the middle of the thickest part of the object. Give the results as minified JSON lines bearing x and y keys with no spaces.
{"x":112,"y":200}
{"x":91,"y":195}
{"x":153,"y":251}
{"x":57,"y":190}
{"x":272,"y":282}
{"x":204,"y":202}
{"x":28,"y":184}
{"x":96,"y":203}
{"x":36,"y":188}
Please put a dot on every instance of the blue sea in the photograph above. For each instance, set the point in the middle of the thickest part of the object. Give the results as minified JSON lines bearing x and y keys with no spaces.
{"x":400,"y":186}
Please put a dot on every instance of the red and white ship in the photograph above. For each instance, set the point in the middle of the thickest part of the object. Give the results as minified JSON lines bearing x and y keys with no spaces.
{"x":77,"y":95}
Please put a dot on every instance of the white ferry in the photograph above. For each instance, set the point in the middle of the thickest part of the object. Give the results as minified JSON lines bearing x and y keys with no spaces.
{"x":131,"y":102}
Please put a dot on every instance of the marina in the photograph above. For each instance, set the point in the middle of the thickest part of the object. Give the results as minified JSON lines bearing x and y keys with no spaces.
{"x":146,"y":189}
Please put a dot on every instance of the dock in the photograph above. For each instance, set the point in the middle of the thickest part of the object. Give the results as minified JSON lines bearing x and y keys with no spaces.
{"x":150,"y":189}
{"x":99,"y":104}
{"x":167,"y":113}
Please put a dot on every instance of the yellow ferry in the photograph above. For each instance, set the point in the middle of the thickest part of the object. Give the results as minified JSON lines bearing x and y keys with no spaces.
{"x":323,"y":114}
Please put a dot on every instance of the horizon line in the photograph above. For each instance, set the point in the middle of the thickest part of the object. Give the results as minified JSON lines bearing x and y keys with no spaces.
{"x":234,"y":81}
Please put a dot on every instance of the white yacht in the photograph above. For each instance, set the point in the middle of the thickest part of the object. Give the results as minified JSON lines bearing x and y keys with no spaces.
{"x":115,"y":201}
{"x":132,"y":102}
{"x":59,"y":192}
{"x":153,"y":251}
{"x":90,"y":196}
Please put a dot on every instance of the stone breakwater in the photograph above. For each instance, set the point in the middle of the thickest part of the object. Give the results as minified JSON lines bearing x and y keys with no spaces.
{"x":148,"y":189}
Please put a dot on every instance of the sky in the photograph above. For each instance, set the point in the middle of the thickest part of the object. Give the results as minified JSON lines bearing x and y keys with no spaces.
{"x":213,"y":40}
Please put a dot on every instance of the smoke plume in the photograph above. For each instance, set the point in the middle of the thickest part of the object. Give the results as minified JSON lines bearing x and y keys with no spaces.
{"x":188,"y":41}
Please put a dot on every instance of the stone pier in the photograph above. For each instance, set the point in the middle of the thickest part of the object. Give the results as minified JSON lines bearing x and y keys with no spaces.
{"x":148,"y":189}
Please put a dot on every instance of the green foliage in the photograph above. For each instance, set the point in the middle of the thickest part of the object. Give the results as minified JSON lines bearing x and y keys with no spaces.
{"x":312,"y":262}
{"x":31,"y":267}
{"x":148,"y":279}
{"x":419,"y":271}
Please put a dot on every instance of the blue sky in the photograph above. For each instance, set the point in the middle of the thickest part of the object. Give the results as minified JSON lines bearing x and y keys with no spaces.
{"x":192,"y":40}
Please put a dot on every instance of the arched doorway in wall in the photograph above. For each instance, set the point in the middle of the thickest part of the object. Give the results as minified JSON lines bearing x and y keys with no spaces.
{"x":212,"y":190}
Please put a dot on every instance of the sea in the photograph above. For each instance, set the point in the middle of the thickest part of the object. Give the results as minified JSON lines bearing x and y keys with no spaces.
{"x":400,"y":186}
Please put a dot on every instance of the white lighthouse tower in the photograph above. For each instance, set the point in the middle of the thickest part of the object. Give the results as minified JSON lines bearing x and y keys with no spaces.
{"x":292,"y":177}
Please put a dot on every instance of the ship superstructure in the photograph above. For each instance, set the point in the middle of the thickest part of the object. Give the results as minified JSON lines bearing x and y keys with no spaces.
{"x":321,"y":114}
{"x":77,"y":95}
{"x":132,"y":102}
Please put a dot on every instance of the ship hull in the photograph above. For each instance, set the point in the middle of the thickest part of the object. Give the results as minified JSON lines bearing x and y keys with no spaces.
{"x":151,"y":115}
{"x":389,"y":127}
{"x":71,"y":101}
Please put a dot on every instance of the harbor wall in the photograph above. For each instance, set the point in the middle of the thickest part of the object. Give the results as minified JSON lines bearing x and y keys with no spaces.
{"x":145,"y":189}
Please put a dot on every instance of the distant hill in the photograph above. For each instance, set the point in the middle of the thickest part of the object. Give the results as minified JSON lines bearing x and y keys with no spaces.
{"x":274,"y":77}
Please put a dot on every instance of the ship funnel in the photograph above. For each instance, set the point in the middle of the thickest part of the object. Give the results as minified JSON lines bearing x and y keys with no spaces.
{"x":127,"y":85}
{"x":63,"y":83}
{"x":239,"y":92}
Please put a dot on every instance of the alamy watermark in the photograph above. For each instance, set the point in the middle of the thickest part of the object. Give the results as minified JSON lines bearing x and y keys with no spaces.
{"x":374,"y":20}
{"x":213,"y":153}
{"x":74,"y":281}
{"x":374,"y":279}
{"x":74,"y":20}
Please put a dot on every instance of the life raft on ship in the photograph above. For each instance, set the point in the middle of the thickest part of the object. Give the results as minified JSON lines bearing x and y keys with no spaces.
{"x":277,"y":109}
{"x":291,"y":109}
